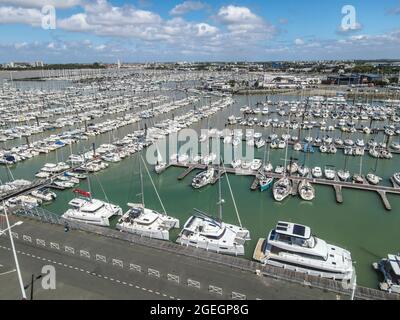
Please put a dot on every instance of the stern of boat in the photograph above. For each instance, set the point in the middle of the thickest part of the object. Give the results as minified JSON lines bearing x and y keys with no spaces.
{"x":258,"y":254}
{"x":171,"y":223}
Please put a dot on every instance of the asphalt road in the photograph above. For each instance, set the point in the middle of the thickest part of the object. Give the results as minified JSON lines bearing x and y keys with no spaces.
{"x":104,"y":268}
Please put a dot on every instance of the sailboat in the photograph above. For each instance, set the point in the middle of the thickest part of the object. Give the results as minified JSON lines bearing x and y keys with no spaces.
{"x":306,"y":190}
{"x":161,"y":165}
{"x":266,"y":183}
{"x":146,"y":222}
{"x":203,"y":178}
{"x":267,"y":164}
{"x":283,"y":187}
{"x":212,"y":234}
{"x":358,"y":178}
{"x":372,"y":177}
{"x":344,"y":174}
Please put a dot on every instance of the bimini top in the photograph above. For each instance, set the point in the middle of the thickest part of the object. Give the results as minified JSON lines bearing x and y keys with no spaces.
{"x":293,"y":230}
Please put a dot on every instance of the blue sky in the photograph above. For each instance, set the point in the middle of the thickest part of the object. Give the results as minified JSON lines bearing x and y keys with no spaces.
{"x":196,"y":30}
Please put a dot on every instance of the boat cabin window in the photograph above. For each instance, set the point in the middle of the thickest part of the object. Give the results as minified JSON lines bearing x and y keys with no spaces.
{"x":284,"y":238}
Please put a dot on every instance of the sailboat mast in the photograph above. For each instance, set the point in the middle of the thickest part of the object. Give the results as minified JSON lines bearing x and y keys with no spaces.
{"x":154,"y":186}
{"x":265,"y":153}
{"x":88,"y":180}
{"x":233,"y":198}
{"x":219,"y":193}
{"x":287,"y":147}
{"x":141,"y":182}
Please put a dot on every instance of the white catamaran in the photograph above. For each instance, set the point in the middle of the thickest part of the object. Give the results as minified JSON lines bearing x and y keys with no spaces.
{"x":146,"y":222}
{"x":205,"y":232}
{"x":91,"y":211}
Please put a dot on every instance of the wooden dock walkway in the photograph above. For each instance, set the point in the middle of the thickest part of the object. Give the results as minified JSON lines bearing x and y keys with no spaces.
{"x":385,"y":200}
{"x":42,"y":183}
{"x":255,"y":184}
{"x":185,"y":173}
{"x":295,"y":187}
{"x":316,"y":145}
{"x":338,"y":193}
{"x":336,"y":184}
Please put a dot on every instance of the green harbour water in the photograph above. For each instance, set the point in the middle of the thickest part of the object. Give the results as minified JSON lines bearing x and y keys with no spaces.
{"x":360,"y":224}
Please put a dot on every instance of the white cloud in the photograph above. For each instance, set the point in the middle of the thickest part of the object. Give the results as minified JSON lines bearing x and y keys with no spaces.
{"x":299,"y":42}
{"x":31,"y":17}
{"x":76,"y":22}
{"x":100,"y":47}
{"x":187,"y":6}
{"x":62,"y":4}
{"x":20,"y":45}
{"x":104,"y":19}
{"x":237,"y":15}
{"x":205,"y":29}
{"x":241,"y":33}
{"x":242,"y":21}
{"x":103,"y":13}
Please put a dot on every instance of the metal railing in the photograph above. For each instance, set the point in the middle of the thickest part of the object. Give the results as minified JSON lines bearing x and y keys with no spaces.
{"x":46,"y":216}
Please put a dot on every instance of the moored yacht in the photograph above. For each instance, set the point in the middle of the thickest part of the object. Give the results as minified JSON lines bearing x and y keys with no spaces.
{"x":205,"y":232}
{"x":146,"y":222}
{"x":292,"y":246}
{"x":44,"y":194}
{"x":373,"y":178}
{"x":255,"y":164}
{"x":330,"y":173}
{"x":390,"y":268}
{"x":203,"y":178}
{"x":343,"y":175}
{"x":266,"y":183}
{"x":282,"y":189}
{"x":303,"y":171}
{"x":237,"y":163}
{"x":91,"y":211}
{"x":306,"y":190}
{"x":268,"y":167}
{"x":160,"y":167}
{"x":316,"y":172}
{"x":396,"y":178}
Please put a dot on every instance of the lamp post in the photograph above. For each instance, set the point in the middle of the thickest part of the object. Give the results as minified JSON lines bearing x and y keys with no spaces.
{"x":14,"y":225}
{"x":14,"y":252}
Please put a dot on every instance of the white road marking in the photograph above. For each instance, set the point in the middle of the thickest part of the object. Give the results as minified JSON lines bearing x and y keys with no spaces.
{"x":87,"y":271}
{"x":7,"y":272}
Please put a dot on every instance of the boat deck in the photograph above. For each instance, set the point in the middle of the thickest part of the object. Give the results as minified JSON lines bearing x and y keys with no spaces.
{"x":258,"y":254}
